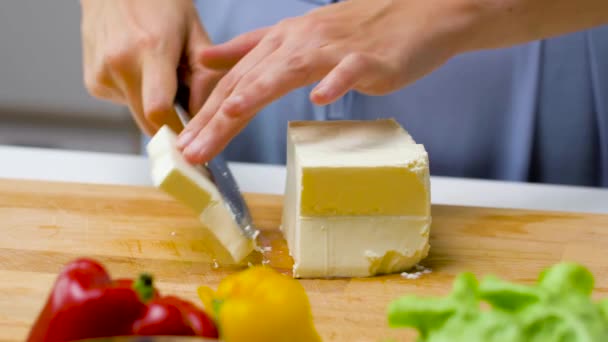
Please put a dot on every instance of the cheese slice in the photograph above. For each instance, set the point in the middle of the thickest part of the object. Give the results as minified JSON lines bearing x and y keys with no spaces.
{"x":357,"y":199}
{"x":192,"y":186}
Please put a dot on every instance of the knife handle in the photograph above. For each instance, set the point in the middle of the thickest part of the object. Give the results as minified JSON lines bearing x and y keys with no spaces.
{"x":174,"y":120}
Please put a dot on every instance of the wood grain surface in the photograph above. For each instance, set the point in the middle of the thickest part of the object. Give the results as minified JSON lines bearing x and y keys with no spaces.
{"x":133,"y":229}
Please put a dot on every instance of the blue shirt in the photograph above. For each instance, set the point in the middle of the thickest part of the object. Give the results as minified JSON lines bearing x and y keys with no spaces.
{"x":536,"y":112}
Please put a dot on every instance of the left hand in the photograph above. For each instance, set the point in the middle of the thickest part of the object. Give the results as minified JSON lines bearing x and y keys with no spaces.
{"x":374,"y":47}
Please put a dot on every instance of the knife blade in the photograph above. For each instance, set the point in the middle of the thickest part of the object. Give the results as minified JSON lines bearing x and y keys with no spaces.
{"x":220,"y":174}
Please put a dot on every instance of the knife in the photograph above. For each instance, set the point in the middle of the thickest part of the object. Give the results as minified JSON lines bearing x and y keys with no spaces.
{"x":219,"y":173}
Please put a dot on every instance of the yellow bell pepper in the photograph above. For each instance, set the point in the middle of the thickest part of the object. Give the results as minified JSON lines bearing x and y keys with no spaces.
{"x":260,"y":304}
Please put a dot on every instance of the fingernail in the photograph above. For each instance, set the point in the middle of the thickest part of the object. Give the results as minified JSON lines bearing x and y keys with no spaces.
{"x":184,"y":139}
{"x":321,"y":92}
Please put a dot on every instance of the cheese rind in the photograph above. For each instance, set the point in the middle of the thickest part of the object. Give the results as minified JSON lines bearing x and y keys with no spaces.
{"x":191,"y":186}
{"x":357,"y":198}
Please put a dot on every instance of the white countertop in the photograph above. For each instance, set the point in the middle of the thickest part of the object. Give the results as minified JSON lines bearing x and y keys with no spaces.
{"x":103,"y":168}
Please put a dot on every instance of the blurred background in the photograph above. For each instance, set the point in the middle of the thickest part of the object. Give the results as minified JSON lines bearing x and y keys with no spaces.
{"x":43,"y":102}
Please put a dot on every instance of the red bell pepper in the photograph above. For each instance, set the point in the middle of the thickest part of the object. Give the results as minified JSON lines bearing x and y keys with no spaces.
{"x":86,"y":303}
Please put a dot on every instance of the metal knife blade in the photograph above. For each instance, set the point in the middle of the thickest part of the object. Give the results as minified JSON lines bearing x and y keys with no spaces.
{"x":219,"y":173}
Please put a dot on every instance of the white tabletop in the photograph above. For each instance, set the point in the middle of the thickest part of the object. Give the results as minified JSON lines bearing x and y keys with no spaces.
{"x":104,"y":168}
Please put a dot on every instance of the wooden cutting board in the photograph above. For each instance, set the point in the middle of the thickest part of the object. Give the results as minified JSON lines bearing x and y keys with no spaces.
{"x":132,"y":229}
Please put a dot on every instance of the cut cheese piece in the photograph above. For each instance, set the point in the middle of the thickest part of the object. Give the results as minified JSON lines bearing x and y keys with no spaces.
{"x":357,"y":200}
{"x":192,"y":186}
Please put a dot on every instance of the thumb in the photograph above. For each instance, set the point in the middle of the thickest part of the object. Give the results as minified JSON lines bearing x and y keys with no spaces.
{"x":226,"y":55}
{"x":159,"y":85}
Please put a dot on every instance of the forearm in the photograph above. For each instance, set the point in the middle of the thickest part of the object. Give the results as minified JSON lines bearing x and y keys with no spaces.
{"x":502,"y":23}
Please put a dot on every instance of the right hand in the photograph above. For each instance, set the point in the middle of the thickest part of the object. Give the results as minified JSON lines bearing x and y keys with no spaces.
{"x":133,"y":51}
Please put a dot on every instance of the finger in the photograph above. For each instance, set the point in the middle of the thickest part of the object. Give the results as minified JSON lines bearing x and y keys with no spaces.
{"x":159,"y":85}
{"x":197,"y":39}
{"x":226,"y":55}
{"x":206,"y":146}
{"x":344,"y":77}
{"x":129,"y":84}
{"x":99,"y":82}
{"x":223,"y":90}
{"x":133,"y":99}
{"x":270,"y":80}
{"x":202,"y":82}
{"x":97,"y":79}
{"x":121,"y":73}
{"x":200,"y":79}
{"x":106,"y":93}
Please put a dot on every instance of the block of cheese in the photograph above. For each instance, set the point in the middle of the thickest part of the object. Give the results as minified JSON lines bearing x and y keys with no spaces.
{"x":357,"y":198}
{"x":192,"y":186}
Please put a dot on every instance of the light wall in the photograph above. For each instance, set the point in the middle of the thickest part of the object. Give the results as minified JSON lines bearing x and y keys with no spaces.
{"x":42,"y":98}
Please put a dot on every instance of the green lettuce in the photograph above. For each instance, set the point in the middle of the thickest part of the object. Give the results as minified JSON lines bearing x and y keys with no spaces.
{"x":557,"y":308}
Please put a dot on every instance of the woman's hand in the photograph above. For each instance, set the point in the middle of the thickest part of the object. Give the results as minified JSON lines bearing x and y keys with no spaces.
{"x":132,"y":50}
{"x":374,"y":47}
